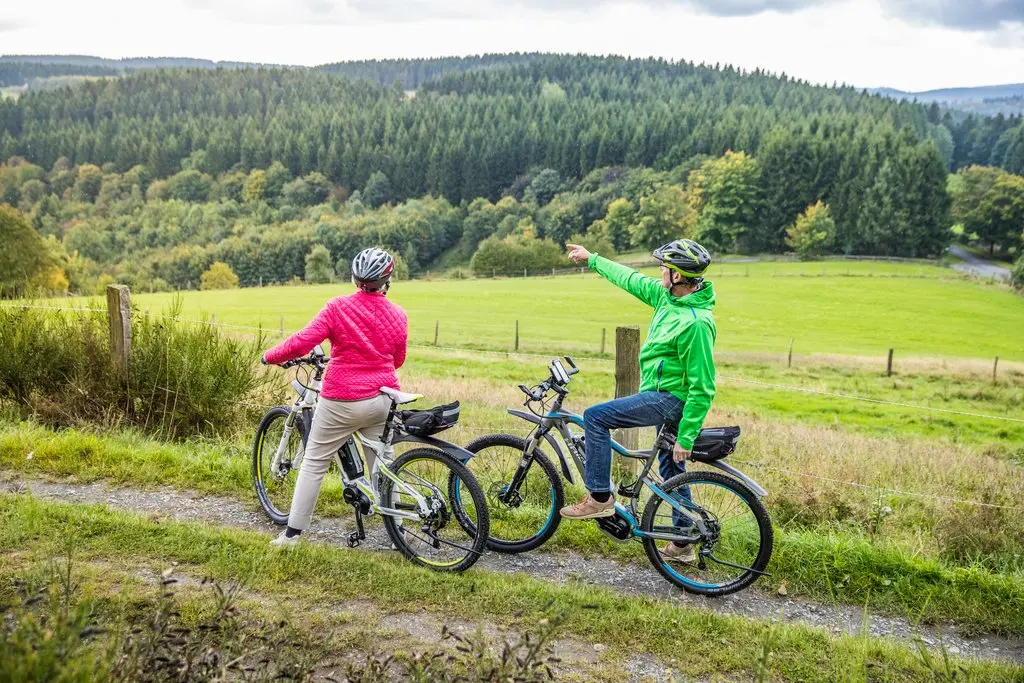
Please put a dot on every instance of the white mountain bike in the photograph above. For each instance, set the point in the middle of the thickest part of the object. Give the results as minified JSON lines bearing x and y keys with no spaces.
{"x":412,"y":492}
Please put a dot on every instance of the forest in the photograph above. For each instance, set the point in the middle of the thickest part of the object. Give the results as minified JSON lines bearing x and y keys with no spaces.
{"x":154,"y":176}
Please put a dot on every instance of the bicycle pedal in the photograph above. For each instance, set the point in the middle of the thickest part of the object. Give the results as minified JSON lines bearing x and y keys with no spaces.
{"x":353,"y":539}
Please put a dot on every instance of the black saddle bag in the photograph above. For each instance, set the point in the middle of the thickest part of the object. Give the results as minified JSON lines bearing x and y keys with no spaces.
{"x":715,"y":443}
{"x":431,"y":420}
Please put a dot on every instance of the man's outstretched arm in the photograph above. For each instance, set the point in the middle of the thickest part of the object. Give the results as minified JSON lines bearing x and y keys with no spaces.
{"x":647,"y":289}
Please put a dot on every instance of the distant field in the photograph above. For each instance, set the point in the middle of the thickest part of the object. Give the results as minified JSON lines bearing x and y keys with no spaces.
{"x":841,"y":308}
{"x":12,"y":91}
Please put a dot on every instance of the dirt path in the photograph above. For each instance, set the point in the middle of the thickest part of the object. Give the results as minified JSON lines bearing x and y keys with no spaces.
{"x":556,"y":567}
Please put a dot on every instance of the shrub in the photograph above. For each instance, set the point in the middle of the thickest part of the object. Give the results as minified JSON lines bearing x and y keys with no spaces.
{"x":811,"y":232}
{"x":318,"y":265}
{"x":184,"y":379}
{"x":515,"y":254}
{"x":401,"y":271}
{"x":24,"y":256}
{"x":219,"y":276}
{"x":1017,"y":274}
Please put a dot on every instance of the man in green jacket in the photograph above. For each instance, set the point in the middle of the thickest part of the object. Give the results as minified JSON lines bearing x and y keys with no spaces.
{"x":677,"y":371}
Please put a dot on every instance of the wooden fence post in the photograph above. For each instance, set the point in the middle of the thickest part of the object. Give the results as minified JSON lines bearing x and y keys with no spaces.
{"x":888,"y":366}
{"x":995,"y":369}
{"x":517,"y":335}
{"x":627,"y":376}
{"x":790,"y":363}
{"x":603,"y":331}
{"x":213,"y":319}
{"x":437,"y":324}
{"x":282,"y":324}
{"x":119,"y":316}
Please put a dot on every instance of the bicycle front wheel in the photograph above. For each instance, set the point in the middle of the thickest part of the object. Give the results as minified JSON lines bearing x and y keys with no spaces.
{"x":274,"y":488}
{"x":729,"y":525}
{"x":524,"y":492}
{"x":437,"y":540}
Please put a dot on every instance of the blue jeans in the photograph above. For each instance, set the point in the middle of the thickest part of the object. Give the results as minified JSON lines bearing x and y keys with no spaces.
{"x":646,"y":409}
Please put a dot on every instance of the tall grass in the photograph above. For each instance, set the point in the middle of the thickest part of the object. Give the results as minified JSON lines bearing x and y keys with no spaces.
{"x":184,"y":379}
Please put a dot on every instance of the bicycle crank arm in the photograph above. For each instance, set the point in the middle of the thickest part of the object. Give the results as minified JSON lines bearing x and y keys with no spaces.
{"x":737,"y":566}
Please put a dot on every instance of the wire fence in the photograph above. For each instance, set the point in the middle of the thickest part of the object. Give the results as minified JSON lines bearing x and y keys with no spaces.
{"x":782,"y":266}
{"x":498,"y":428}
{"x":527,"y":354}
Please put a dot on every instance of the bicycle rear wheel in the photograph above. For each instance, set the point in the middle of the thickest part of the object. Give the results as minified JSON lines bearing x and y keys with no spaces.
{"x":274,"y":489}
{"x":438,"y":541}
{"x":524,"y":494}
{"x":736,"y":545}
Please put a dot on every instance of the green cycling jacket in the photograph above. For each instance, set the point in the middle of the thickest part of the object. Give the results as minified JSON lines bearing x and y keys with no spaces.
{"x":678,"y":354}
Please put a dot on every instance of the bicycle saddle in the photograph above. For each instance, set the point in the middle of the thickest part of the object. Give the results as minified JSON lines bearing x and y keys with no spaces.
{"x":400,"y":397}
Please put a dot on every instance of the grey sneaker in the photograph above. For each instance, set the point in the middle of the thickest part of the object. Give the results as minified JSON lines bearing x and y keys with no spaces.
{"x":283,"y":541}
{"x":686,"y":554}
{"x":588,"y":508}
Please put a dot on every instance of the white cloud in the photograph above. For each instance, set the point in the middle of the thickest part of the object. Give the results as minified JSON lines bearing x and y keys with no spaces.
{"x":854,"y":41}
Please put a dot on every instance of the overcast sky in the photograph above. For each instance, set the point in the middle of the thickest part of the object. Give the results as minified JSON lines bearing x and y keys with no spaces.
{"x":906,"y":44}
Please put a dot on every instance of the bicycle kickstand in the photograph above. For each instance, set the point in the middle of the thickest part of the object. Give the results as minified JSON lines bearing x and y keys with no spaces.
{"x":357,"y":536}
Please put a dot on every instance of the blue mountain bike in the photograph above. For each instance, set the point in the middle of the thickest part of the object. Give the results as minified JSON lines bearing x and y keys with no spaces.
{"x":719,"y":513}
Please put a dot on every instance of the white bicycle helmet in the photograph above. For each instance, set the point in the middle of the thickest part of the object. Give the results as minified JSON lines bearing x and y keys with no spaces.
{"x":372,"y":268}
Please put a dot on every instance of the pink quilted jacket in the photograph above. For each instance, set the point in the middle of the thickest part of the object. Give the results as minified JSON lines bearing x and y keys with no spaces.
{"x":368,"y":337}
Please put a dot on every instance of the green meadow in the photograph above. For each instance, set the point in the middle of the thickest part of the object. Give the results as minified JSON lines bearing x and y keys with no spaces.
{"x":860,"y":309}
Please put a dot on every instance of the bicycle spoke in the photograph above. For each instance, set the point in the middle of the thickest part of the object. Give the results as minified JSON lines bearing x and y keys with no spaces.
{"x":732,"y":533}
{"x":430,"y":478}
{"x":518,"y":513}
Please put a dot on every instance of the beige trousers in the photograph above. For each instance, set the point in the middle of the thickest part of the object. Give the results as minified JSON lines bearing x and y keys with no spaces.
{"x":333,"y":423}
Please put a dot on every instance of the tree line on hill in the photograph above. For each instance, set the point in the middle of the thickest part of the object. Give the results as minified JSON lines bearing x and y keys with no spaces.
{"x":470,"y":133}
{"x":77,"y":228}
{"x":20,"y":73}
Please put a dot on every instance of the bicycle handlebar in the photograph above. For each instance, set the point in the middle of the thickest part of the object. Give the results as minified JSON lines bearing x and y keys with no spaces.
{"x":552,"y":382}
{"x":311,"y":359}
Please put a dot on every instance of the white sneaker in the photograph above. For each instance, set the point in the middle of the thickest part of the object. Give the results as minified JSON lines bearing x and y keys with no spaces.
{"x":283,"y":541}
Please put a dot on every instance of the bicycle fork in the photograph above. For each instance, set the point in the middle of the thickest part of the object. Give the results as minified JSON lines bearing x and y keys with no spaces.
{"x":282,"y":446}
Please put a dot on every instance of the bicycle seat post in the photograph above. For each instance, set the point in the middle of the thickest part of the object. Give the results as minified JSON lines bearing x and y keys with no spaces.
{"x":386,"y":434}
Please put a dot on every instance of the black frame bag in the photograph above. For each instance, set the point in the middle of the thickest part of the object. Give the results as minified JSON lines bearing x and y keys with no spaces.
{"x":431,"y":420}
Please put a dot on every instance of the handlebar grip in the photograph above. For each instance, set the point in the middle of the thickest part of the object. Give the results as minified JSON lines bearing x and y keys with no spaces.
{"x":571,"y":365}
{"x":526,"y":390}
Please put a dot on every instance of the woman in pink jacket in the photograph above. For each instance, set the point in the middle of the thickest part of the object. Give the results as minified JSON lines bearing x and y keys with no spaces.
{"x":368,"y":336}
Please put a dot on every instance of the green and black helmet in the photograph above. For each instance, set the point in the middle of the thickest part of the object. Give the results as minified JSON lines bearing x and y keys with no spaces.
{"x":684,"y":256}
